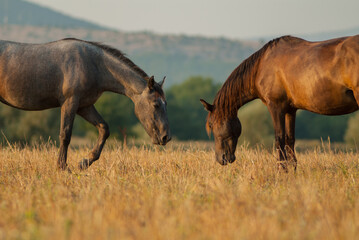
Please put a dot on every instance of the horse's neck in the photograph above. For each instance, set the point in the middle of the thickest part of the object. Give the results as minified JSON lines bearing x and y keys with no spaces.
{"x":245,"y":97}
{"x":230,"y":99}
{"x":123,"y":79}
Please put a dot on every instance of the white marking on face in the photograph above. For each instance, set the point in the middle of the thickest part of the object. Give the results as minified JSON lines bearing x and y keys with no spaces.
{"x":162,"y":101}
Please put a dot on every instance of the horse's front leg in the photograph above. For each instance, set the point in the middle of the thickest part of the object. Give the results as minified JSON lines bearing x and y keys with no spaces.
{"x":92,"y":116}
{"x":290,"y":137}
{"x":68,"y":112}
{"x":278,"y":118}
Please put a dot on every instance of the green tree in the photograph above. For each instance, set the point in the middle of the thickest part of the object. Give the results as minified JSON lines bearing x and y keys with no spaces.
{"x":117,"y":110}
{"x":186,"y":114}
{"x":29,"y":126}
{"x":352,"y":132}
{"x":257,"y":126}
{"x":314,"y":126}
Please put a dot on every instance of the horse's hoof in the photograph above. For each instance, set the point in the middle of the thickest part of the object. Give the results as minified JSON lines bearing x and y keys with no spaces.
{"x":283,"y":166}
{"x":64,"y":167}
{"x":84,"y":164}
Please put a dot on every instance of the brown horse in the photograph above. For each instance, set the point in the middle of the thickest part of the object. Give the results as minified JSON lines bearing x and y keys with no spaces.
{"x":72,"y":74}
{"x":287,"y":74}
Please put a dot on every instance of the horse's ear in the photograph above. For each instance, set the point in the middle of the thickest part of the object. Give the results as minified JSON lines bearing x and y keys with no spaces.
{"x":151,"y":82}
{"x":207,"y":106}
{"x":162,"y":82}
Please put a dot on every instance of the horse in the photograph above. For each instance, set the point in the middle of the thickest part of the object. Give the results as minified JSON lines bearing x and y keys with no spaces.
{"x":286,"y":74}
{"x":72,"y":74}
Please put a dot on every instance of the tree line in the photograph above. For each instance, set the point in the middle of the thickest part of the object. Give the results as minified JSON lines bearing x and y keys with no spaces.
{"x":186,"y":116}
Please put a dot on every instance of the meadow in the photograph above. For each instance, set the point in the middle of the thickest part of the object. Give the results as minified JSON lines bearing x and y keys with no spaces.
{"x":177,"y":192}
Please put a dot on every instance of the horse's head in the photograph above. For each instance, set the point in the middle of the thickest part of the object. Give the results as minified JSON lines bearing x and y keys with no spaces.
{"x":150,"y":109}
{"x":226,"y":132}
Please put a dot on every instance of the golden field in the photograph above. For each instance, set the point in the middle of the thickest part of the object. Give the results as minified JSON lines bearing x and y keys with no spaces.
{"x":177,"y":192}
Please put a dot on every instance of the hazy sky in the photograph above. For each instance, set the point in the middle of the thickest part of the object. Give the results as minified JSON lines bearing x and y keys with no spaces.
{"x":229,"y":18}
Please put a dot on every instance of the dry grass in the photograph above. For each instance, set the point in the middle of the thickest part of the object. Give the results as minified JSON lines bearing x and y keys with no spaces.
{"x":177,"y":193}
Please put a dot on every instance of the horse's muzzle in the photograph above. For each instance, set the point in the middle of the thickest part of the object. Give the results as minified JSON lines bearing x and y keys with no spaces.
{"x":165,"y":139}
{"x":224,"y":159}
{"x":162,"y":140}
{"x":231,"y":158}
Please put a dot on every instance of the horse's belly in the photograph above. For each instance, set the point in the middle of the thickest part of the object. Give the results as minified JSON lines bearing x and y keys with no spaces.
{"x":333,"y":104}
{"x":32,"y":104}
{"x":336,"y":110}
{"x":28,"y":95}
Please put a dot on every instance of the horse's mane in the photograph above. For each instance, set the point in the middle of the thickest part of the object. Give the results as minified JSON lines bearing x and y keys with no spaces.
{"x":227,"y":102}
{"x":116,"y":53}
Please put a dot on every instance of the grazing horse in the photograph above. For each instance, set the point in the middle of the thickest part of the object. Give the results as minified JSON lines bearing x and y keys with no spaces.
{"x":72,"y":74}
{"x":287,"y":74}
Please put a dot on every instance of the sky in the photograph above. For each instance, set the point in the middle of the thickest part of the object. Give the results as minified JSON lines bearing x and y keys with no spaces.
{"x":236,"y":19}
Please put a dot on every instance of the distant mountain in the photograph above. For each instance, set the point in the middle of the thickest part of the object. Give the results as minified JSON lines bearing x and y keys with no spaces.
{"x":175,"y":56}
{"x":25,"y":13}
{"x":334,"y":34}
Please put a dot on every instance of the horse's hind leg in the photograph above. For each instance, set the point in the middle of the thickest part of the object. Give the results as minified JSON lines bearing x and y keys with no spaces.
{"x":92,"y":116}
{"x":68,"y":112}
{"x":290,"y":137}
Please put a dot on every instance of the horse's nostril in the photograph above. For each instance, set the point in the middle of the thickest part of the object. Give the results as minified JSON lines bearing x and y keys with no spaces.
{"x":165,"y":139}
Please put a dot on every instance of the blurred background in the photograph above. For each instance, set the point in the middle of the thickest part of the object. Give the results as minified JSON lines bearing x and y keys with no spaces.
{"x":196,"y":44}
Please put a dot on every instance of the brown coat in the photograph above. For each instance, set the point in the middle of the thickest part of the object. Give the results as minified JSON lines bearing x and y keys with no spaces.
{"x":287,"y":74}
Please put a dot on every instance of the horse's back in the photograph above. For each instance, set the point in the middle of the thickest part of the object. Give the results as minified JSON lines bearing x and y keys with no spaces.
{"x":39,"y":76}
{"x":315,"y":76}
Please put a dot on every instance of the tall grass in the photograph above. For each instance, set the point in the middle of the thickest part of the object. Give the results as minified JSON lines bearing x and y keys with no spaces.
{"x":178,"y":192}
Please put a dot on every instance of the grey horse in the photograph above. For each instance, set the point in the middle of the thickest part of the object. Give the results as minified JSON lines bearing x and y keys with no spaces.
{"x":72,"y":74}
